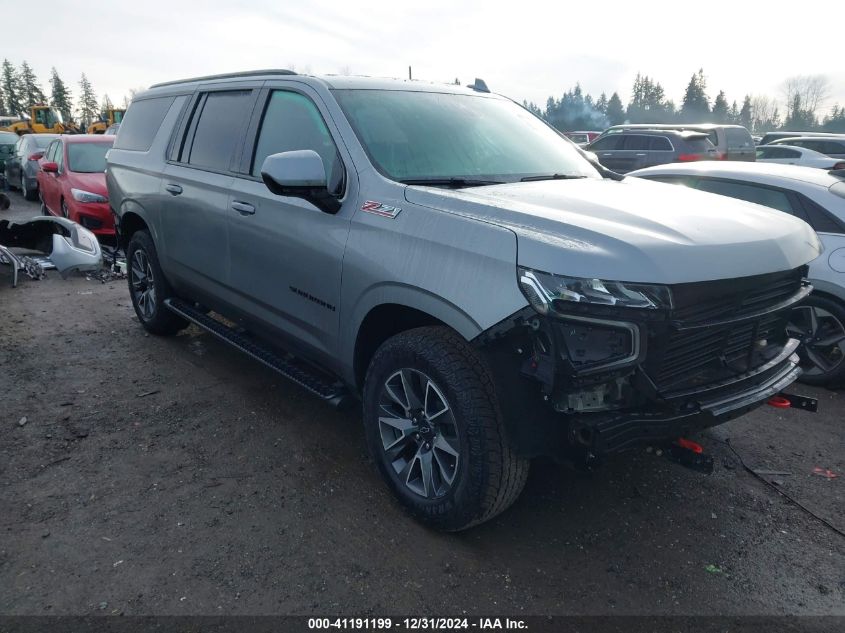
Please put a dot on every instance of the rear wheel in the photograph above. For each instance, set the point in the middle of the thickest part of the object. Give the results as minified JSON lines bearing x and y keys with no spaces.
{"x":148,"y":287}
{"x":434,"y":429}
{"x":819,"y":323}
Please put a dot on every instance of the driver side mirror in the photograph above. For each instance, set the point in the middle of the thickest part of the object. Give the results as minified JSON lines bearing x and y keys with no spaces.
{"x":299,"y":174}
{"x":50,"y":167}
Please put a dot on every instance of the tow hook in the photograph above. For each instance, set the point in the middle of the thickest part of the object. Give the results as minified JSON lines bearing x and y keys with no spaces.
{"x":690,"y":455}
{"x":791,"y":401}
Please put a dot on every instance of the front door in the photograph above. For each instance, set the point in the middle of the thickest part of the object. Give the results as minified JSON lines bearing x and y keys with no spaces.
{"x":286,"y":255}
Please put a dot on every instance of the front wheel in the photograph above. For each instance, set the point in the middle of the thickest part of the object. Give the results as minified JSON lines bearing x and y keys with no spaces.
{"x":435,"y":430}
{"x":28,"y":194}
{"x":148,"y":287}
{"x":819,"y":323}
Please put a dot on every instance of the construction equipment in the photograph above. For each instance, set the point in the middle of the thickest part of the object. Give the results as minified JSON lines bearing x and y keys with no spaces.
{"x":107,"y":119}
{"x":41,"y":119}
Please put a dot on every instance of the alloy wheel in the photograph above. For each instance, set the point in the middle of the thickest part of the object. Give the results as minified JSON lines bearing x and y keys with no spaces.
{"x":143,"y":284}
{"x":419,"y":435}
{"x":822,"y":337}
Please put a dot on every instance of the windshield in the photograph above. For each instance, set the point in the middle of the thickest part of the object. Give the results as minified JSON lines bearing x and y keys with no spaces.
{"x":432,"y":136}
{"x":42,"y":140}
{"x":118,"y":116}
{"x":87,"y":158}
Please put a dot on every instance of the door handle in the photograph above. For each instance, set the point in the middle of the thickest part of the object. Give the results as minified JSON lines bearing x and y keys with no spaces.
{"x":244,"y":208}
{"x":174,"y":189}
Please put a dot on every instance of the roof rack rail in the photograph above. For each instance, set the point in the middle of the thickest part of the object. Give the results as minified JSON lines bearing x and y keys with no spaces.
{"x":246,"y":73}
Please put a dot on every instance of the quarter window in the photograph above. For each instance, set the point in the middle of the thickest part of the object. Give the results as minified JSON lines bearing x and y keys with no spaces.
{"x":292,"y":122}
{"x":141,"y":122}
{"x":606,"y":143}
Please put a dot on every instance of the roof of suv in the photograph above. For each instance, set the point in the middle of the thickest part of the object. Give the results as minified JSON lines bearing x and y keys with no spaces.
{"x":684,"y":134}
{"x":329,"y":81}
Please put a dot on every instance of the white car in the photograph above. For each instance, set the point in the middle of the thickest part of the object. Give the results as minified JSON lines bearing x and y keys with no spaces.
{"x":816,"y":196}
{"x":793,"y":155}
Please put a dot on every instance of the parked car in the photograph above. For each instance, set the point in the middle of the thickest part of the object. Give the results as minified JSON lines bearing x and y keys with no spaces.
{"x":794,"y":155}
{"x":582,"y":138}
{"x":8,"y":140}
{"x":816,"y":197}
{"x":625,"y":151}
{"x":112,"y":130}
{"x":72,"y":181}
{"x":22,"y":167}
{"x":732,"y":142}
{"x":774,"y":136}
{"x":450,"y":259}
{"x":832,"y":146}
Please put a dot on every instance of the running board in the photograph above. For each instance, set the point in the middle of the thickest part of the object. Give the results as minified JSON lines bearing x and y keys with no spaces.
{"x":292,"y":369}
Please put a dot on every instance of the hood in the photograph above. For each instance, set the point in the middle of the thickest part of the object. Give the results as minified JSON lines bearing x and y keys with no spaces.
{"x":633,"y":230}
{"x":95,"y":183}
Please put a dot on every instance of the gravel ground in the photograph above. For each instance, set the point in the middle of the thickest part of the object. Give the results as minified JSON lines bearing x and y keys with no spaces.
{"x":175,"y":476}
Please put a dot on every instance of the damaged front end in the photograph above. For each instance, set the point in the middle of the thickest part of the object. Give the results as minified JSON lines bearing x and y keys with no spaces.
{"x":594,"y":367}
{"x":68,"y":245}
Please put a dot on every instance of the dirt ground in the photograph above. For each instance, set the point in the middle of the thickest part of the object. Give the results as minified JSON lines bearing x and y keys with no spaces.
{"x":175,"y":476}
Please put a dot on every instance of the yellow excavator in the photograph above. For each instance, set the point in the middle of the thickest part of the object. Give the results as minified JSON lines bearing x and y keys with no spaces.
{"x":41,"y":119}
{"x":111,"y":117}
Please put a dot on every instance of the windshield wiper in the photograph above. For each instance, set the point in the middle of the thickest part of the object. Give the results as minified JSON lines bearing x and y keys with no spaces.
{"x":451,"y":182}
{"x":551,"y":177}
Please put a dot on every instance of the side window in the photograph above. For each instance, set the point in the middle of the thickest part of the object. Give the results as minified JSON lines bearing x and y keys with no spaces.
{"x":60,"y":154}
{"x":637,"y":142}
{"x":50,"y":154}
{"x":739,"y":138}
{"x":832,"y":147}
{"x":789,"y":153}
{"x":218,"y":128}
{"x":141,"y":122}
{"x":41,"y":116}
{"x":751,"y":193}
{"x":660,"y":144}
{"x":820,"y":218}
{"x":292,"y":122}
{"x":606,"y":143}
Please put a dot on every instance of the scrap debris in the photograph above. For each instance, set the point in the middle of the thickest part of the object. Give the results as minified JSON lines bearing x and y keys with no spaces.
{"x":824,"y":472}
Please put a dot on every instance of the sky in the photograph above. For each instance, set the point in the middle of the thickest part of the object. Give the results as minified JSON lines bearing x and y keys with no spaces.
{"x":524,"y":50}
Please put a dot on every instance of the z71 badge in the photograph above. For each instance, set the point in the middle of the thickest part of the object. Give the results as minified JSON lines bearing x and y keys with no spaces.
{"x":385,"y":210}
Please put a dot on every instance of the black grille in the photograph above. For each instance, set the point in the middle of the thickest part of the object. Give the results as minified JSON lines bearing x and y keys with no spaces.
{"x":713,"y":353}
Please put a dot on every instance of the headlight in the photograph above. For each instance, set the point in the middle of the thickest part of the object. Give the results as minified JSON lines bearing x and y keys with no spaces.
{"x":86,"y":196}
{"x":549,"y":293}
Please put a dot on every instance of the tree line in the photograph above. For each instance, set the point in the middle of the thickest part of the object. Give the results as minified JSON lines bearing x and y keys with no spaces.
{"x":20,"y":89}
{"x":803,"y":96}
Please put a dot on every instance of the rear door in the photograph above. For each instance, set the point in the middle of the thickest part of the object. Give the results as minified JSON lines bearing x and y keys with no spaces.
{"x":195,"y":189}
{"x":660,"y":151}
{"x":48,"y":182}
{"x":286,"y":254}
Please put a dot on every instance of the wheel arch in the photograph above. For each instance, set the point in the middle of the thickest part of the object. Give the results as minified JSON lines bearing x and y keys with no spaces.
{"x":403,"y":309}
{"x":130,"y":220}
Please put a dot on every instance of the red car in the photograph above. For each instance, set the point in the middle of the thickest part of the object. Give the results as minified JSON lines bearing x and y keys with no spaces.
{"x":72,"y":181}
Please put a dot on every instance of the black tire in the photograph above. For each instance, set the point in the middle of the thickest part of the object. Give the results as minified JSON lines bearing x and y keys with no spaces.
{"x":488,"y":475}
{"x":28,"y":194}
{"x":822,"y":348}
{"x":148,"y":298}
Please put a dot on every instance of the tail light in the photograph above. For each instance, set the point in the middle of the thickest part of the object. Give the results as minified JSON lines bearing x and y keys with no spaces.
{"x":686,"y":158}
{"x":721,"y":156}
{"x":36,"y":156}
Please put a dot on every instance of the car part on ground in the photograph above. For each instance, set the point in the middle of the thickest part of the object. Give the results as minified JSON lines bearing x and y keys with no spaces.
{"x":69,"y":246}
{"x":496,"y":306}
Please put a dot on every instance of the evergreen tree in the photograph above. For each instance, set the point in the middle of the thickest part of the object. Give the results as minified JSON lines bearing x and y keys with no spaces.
{"x":31,"y":93}
{"x":9,"y":83}
{"x":696,"y":105}
{"x":745,"y":114}
{"x":2,"y":101}
{"x":60,"y":97}
{"x":733,"y":114}
{"x":720,"y":109}
{"x":648,"y":101}
{"x":615,"y":110}
{"x":601,"y":103}
{"x":105,"y":106}
{"x":835,"y":121}
{"x":87,"y":105}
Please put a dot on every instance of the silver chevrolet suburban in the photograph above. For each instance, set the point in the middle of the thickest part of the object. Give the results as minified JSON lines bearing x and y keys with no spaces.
{"x":438,"y":252}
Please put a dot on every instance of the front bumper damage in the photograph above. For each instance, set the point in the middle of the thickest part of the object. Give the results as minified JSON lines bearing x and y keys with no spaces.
{"x":609,"y":380}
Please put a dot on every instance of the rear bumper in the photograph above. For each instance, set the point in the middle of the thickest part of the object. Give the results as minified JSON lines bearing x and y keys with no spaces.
{"x":620,"y":432}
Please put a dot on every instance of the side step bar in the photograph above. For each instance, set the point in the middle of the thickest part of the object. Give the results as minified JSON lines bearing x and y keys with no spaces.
{"x":296,"y":371}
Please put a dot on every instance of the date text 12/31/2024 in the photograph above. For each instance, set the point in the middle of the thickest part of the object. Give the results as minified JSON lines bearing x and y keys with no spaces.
{"x":413,"y":624}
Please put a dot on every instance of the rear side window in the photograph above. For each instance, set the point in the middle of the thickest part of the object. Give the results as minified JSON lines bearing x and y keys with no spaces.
{"x":819,"y":218}
{"x":141,"y":122}
{"x":606,"y":143}
{"x":751,"y":193}
{"x":739,"y":138}
{"x":218,"y":128}
{"x":660,"y":144}
{"x":714,"y":137}
{"x":292,"y":122}
{"x":636,"y":142}
{"x":699,"y":145}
